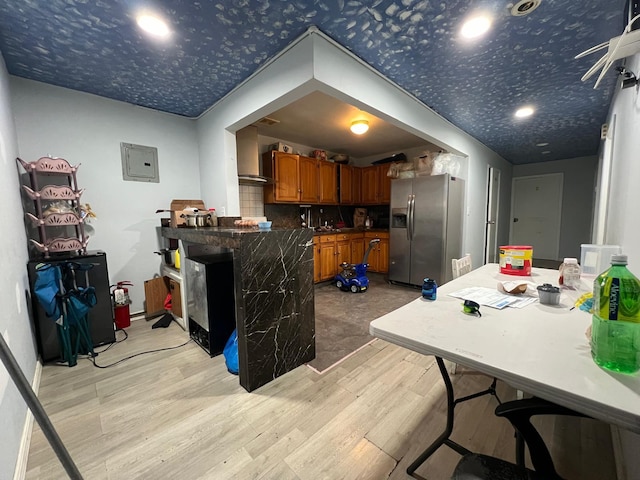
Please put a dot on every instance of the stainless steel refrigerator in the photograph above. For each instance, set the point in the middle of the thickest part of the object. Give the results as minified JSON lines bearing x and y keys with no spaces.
{"x":425,"y":228}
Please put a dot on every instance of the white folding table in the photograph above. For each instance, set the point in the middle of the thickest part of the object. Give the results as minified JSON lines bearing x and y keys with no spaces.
{"x":540,"y":349}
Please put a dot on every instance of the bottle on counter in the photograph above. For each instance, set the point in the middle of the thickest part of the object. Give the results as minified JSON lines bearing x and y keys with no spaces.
{"x":615,"y":329}
{"x":213,"y":218}
{"x":367,"y":223}
{"x":570,"y":273}
{"x":429,"y":289}
{"x":176,"y":260}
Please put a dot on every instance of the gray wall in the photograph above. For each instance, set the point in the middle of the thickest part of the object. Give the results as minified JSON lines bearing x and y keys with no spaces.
{"x":577,"y":198}
{"x":14,"y":321}
{"x":87,"y":129}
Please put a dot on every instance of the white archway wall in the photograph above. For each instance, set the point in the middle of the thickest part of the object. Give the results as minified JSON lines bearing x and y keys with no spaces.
{"x":317,"y":63}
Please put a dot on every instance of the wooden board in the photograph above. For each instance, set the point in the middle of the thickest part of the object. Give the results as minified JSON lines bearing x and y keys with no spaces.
{"x":155,"y":293}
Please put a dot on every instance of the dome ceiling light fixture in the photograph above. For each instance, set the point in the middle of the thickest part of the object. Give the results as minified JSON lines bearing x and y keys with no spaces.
{"x":359,"y":126}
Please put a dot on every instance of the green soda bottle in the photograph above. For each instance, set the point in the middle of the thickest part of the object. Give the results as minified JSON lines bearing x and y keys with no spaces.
{"x":615,"y":329}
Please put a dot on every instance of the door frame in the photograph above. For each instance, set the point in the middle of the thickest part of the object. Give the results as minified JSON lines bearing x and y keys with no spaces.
{"x":513,"y":196}
{"x":602,"y":188}
{"x":490,"y":186}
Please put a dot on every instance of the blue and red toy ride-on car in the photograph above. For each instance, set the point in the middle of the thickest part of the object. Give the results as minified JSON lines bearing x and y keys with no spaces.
{"x":353,"y":276}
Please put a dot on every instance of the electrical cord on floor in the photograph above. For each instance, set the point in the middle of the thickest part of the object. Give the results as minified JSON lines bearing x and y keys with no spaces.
{"x":126,"y":335}
{"x":93,"y":359}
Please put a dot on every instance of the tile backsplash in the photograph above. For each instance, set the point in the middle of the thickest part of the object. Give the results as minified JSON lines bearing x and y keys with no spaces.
{"x":251,"y":201}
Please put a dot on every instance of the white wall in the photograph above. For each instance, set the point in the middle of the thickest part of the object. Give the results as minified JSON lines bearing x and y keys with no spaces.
{"x":276,"y":85}
{"x":623,"y":227}
{"x":14,"y":285}
{"x":87,"y":129}
{"x":316,"y":63}
{"x":577,"y":198}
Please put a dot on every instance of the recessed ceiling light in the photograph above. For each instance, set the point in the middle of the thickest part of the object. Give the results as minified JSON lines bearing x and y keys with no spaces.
{"x":524,"y":7}
{"x":359,"y":126}
{"x":524,"y":112}
{"x":153,"y":25}
{"x":543,"y":144}
{"x":476,"y":26}
{"x":546,"y":152}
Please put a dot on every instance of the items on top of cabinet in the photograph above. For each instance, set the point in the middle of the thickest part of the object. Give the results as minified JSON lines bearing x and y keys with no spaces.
{"x":55,"y":206}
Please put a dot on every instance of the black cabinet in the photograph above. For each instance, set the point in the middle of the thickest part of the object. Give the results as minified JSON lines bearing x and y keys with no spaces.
{"x":100,"y":316}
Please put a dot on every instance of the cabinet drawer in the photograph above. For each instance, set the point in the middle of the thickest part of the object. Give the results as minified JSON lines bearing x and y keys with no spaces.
{"x":327,"y":238}
{"x":343,"y":236}
{"x":376,"y":234}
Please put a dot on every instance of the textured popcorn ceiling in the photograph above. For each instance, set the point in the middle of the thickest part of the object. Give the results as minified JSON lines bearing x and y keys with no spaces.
{"x":95,"y":46}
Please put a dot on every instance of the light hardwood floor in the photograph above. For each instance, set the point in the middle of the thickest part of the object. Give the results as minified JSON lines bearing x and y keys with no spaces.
{"x":179,"y":414}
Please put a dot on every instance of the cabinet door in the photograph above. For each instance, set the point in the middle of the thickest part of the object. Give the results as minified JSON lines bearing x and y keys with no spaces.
{"x":343,"y":252}
{"x":384,"y":184}
{"x":346,"y":184}
{"x":374,"y":256}
{"x":176,"y":298}
{"x":357,"y":249}
{"x":328,"y":264}
{"x":308,"y":180}
{"x":287,"y":177}
{"x":370,"y":185}
{"x":357,"y":185}
{"x":383,"y":255}
{"x":316,"y":260}
{"x":328,"y":182}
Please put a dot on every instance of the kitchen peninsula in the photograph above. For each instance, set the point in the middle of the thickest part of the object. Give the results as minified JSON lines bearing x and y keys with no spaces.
{"x":274,"y":298}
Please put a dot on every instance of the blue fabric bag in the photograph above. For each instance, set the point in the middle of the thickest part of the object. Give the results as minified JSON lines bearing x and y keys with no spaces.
{"x":47,"y":289}
{"x":230,"y":353}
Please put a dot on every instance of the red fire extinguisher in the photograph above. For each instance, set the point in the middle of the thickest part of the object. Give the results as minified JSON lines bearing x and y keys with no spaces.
{"x":121,"y":304}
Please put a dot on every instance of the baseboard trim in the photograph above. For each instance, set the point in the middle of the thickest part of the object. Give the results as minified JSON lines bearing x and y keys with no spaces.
{"x":616,"y":442}
{"x":23,"y":454}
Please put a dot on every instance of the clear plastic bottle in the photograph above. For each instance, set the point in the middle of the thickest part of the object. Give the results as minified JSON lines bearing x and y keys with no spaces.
{"x":570,"y":273}
{"x":615,"y":329}
{"x":213,"y":218}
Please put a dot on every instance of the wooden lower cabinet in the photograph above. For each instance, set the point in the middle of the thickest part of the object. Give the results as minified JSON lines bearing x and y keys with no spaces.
{"x":329,"y":251}
{"x":357,"y":247}
{"x":343,"y":252}
{"x":316,"y":259}
{"x":328,"y":265}
{"x":379,"y":256}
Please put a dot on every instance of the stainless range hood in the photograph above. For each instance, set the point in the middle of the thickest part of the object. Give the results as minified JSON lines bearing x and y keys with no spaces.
{"x":248,"y":157}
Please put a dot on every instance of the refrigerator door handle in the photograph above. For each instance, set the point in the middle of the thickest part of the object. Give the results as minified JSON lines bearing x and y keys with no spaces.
{"x":408,"y":217}
{"x":411,"y":222}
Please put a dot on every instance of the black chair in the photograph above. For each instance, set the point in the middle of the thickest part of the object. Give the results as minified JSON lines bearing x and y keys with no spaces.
{"x":519,"y":412}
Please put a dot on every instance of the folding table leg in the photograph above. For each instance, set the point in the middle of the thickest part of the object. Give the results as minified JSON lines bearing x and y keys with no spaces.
{"x":444,"y":439}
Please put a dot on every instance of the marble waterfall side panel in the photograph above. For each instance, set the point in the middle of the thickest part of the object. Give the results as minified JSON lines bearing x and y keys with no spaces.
{"x":276,"y":323}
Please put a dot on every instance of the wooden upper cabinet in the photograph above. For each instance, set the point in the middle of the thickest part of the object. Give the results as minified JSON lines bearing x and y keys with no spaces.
{"x":309,"y":192}
{"x":328,"y":178}
{"x":370,"y":184}
{"x":345,"y":184}
{"x":283,"y":169}
{"x":356,"y":185}
{"x":384,"y":184}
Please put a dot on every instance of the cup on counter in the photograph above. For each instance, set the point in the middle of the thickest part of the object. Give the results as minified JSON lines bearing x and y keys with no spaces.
{"x":548,"y":294}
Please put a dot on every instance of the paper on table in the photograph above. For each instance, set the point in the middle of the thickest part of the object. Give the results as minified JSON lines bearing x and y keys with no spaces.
{"x":486,"y":296}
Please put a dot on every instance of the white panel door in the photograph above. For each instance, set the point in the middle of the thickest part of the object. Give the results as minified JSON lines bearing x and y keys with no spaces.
{"x":536,"y":208}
